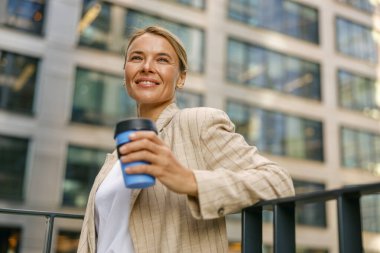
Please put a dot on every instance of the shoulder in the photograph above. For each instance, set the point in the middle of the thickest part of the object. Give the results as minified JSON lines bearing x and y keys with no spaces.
{"x":201,"y":112}
{"x":202,"y":117}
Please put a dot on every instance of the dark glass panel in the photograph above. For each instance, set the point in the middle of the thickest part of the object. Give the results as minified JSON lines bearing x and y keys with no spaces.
{"x":82,"y":167}
{"x":67,"y":241}
{"x":313,"y":214}
{"x":278,"y":133}
{"x":10,"y":239}
{"x":24,"y":15}
{"x":100,"y":99}
{"x":17,"y":82}
{"x":254,"y":66}
{"x":287,"y":17}
{"x":13,"y":156}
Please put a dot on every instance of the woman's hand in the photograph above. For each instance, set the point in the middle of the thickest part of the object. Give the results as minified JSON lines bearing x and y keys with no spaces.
{"x":146,"y":146}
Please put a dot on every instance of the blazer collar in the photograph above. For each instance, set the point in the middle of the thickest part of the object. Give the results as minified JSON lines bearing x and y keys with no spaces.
{"x":166,"y":116}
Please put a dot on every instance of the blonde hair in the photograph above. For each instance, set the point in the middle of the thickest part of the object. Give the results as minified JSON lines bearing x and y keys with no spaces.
{"x":170,"y":37}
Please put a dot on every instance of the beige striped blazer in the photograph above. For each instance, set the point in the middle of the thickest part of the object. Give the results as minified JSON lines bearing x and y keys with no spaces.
{"x":230,"y":175}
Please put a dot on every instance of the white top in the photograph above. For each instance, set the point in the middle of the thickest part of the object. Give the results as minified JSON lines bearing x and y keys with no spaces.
{"x":112,"y":209}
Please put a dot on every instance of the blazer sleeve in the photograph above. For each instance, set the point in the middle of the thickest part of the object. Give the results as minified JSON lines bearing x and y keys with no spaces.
{"x":236,"y":175}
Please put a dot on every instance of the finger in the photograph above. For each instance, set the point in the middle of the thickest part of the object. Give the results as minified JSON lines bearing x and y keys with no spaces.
{"x":145,"y":135}
{"x":142,"y":155}
{"x":142,"y":169}
{"x":138,"y":145}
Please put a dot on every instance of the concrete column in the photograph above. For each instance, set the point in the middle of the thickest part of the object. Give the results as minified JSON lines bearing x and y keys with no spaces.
{"x":53,"y":108}
{"x":215,"y":51}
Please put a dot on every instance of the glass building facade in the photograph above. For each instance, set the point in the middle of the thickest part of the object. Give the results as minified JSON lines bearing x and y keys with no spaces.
{"x":297,"y":78}
{"x":254,"y":66}
{"x":283,"y":16}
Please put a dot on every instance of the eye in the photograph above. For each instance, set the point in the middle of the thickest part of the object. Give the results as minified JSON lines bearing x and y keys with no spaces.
{"x":135,"y":58}
{"x":162,"y":59}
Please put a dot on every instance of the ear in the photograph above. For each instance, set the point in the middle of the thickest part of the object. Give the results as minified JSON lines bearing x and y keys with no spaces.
{"x":181,"y":80}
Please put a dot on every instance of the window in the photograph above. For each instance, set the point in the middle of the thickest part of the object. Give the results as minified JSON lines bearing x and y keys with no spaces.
{"x":358,"y":93}
{"x":287,"y":17}
{"x":24,"y":15}
{"x":113,"y":24}
{"x":199,"y":4}
{"x":364,"y":5}
{"x":100,"y":99}
{"x":254,"y":66}
{"x":186,"y":99}
{"x":17,"y":82}
{"x":313,"y":214}
{"x":360,"y":150}
{"x":370,"y":210}
{"x":67,"y":241}
{"x":278,"y":133}
{"x":13,"y":156}
{"x":10,"y":238}
{"x":83,"y":164}
{"x":356,"y":40}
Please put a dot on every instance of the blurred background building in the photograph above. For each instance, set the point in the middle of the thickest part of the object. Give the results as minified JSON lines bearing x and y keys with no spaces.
{"x":298,"y":78}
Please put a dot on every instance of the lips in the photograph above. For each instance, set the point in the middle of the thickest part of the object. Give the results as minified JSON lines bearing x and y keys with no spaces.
{"x":146,"y":82}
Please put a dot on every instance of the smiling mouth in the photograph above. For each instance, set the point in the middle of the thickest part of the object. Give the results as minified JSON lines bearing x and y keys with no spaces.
{"x":146,"y":83}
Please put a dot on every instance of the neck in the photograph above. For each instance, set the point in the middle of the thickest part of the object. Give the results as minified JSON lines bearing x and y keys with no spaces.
{"x":151,"y":111}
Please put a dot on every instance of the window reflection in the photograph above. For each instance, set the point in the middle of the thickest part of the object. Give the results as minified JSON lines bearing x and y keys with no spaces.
{"x":364,"y":5}
{"x":24,"y":15}
{"x":199,"y":4}
{"x":82,"y":167}
{"x":360,"y":150}
{"x":67,"y":241}
{"x":100,"y":99}
{"x":370,"y":210}
{"x":313,"y":214}
{"x":13,"y":157}
{"x":278,"y":133}
{"x":287,"y":17}
{"x":356,"y":40}
{"x":359,"y":93}
{"x":17,"y":82}
{"x":254,"y":66}
{"x":186,"y":99}
{"x":10,"y":239}
{"x":105,"y":26}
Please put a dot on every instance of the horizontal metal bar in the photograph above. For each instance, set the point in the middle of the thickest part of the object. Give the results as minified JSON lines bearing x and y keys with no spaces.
{"x":40,"y":213}
{"x":321,"y":196}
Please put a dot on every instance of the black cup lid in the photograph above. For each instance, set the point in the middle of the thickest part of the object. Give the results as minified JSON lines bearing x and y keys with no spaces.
{"x":135,"y":124}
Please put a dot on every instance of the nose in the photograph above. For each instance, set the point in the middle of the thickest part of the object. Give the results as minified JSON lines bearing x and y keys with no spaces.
{"x":148,"y":65}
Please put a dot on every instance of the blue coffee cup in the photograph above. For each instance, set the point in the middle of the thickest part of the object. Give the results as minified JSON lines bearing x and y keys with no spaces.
{"x":123,"y":130}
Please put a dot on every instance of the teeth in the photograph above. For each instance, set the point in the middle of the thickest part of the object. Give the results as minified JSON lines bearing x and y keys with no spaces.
{"x":147,"y":83}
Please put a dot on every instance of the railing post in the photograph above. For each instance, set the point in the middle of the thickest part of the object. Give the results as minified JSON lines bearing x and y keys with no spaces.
{"x":284,"y":228}
{"x":252,"y":234}
{"x":49,"y":233}
{"x":349,"y":223}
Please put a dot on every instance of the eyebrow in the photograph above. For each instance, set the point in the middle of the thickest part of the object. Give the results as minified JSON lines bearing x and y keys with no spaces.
{"x":160,"y":54}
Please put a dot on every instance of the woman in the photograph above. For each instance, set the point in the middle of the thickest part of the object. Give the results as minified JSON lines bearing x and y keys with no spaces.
{"x":203,"y":169}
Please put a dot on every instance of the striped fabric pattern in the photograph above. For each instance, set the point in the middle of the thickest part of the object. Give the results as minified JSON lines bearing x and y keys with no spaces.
{"x":230,"y":175}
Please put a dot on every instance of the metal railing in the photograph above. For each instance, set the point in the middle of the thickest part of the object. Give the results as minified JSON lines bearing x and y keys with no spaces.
{"x":50,"y":216}
{"x":349,"y":219}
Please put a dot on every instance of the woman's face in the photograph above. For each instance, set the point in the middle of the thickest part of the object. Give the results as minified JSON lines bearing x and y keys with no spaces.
{"x":152,"y":70}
